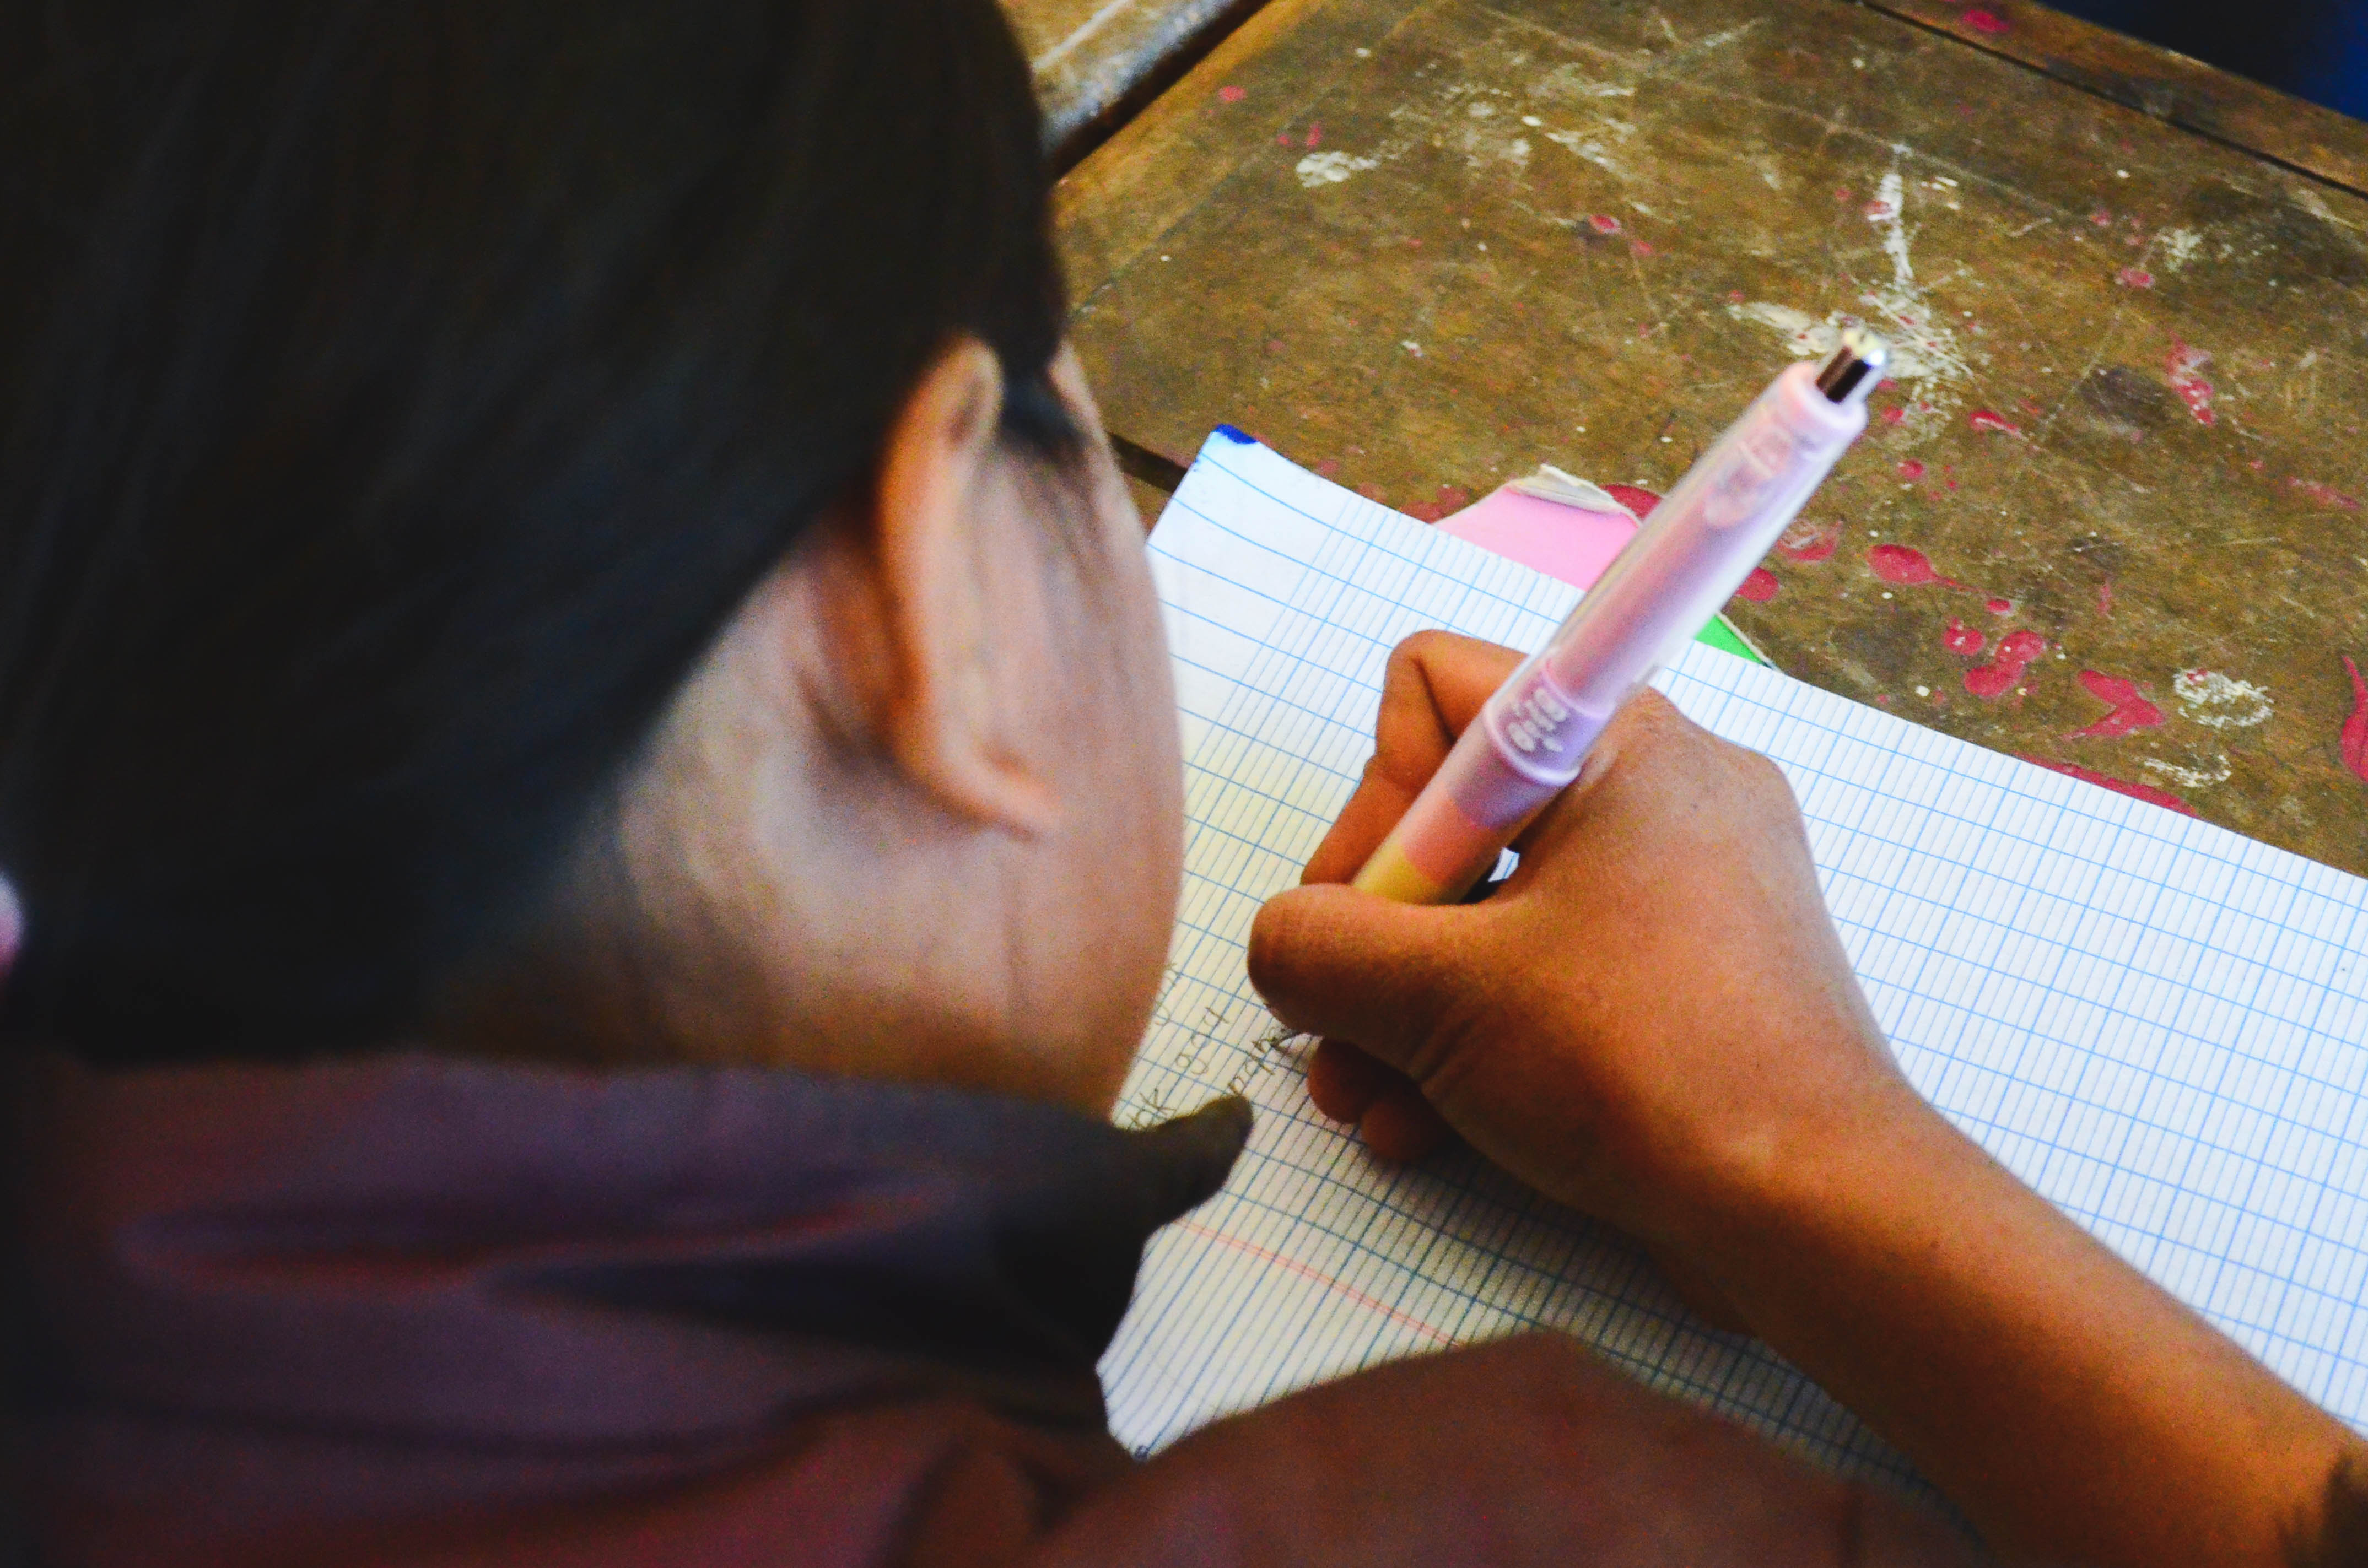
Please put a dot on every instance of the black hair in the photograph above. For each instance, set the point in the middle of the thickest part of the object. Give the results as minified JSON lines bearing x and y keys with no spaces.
{"x":423,"y":384}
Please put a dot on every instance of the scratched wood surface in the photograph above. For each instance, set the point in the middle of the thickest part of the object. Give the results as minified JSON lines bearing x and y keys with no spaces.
{"x":2108,"y":515}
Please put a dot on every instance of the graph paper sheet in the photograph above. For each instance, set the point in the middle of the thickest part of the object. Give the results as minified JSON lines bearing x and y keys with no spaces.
{"x":2155,"y":1022}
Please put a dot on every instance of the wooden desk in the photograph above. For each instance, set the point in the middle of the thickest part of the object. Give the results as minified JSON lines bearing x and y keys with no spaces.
{"x":1426,"y":244}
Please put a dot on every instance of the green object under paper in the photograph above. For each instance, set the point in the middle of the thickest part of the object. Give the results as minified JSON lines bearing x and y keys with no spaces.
{"x":1722,"y":635}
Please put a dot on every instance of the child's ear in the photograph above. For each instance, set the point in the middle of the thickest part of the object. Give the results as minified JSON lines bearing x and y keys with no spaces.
{"x":932,"y":706}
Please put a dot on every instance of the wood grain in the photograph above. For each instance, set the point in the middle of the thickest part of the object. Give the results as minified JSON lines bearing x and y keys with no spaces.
{"x":1426,"y":244}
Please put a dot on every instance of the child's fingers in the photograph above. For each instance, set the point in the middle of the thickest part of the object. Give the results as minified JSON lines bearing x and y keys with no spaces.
{"x":1381,"y":1102}
{"x":1434,"y":685}
{"x":1400,"y":1124}
{"x":1362,"y":826}
{"x":1343,"y":1081}
{"x":1338,"y":963}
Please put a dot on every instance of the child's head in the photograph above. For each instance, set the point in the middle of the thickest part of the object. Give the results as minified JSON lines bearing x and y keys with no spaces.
{"x":564,"y":525}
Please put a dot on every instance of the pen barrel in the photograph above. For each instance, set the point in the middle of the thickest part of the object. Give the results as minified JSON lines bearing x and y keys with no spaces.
{"x":1471,"y":809}
{"x":1701,"y":542}
{"x":1532,"y":736}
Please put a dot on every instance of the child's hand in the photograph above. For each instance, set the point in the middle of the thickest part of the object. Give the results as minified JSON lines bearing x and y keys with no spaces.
{"x":1653,"y":1014}
{"x":1653,"y":1021}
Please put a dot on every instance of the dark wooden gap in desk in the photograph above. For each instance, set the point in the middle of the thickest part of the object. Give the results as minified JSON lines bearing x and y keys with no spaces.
{"x":1079,"y":143}
{"x":1162,"y":473}
{"x":2260,"y":121}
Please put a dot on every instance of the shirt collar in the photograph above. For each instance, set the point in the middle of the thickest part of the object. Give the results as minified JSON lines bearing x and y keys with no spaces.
{"x":414,"y":1243}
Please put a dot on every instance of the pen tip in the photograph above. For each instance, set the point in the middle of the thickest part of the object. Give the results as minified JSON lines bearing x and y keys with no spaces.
{"x":1855,"y":366}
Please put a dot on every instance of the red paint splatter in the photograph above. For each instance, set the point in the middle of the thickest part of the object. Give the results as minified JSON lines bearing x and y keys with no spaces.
{"x":1283,"y":138}
{"x":1639,"y":247}
{"x":1374,"y":493}
{"x":2185,"y":367}
{"x":1316,"y":133}
{"x":2145,"y":792}
{"x":2104,"y":599}
{"x":2001,"y":607}
{"x":1911,"y":469}
{"x":1879,"y":209}
{"x":1231,"y":95}
{"x":2102,"y":218}
{"x":1735,"y":296}
{"x":1894,"y":415}
{"x":1451,"y":498}
{"x":1603,"y":223}
{"x":2015,"y":651}
{"x":1986,"y":22}
{"x":2355,"y":729}
{"x":1810,"y":542}
{"x":1759,"y":587}
{"x":1886,"y":384}
{"x":2130,"y":711}
{"x":2325,"y":494}
{"x":1637,"y":499}
{"x":1327,"y":467}
{"x":1909,"y":568}
{"x":1983,"y":419}
{"x":1963,"y":639}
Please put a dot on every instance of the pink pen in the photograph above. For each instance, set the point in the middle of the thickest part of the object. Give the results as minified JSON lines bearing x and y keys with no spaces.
{"x":1701,"y":542}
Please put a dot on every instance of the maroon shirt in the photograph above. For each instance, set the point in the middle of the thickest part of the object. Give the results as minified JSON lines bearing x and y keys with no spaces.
{"x":411,"y":1310}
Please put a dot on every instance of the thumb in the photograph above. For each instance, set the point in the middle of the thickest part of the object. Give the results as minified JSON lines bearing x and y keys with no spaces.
{"x":1333,"y":961}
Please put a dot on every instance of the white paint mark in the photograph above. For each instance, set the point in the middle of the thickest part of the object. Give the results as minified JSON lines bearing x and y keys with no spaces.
{"x":1319,"y":169}
{"x":1567,"y":82}
{"x":2316,"y":205}
{"x":2178,"y":247}
{"x":1924,"y":346}
{"x":1531,"y":120}
{"x":1804,"y":334}
{"x":1586,"y":147}
{"x":1084,"y":30}
{"x":2192,"y":778}
{"x":1889,"y":198}
{"x":1411,"y":347}
{"x":2219,"y":703}
{"x":1481,"y":108}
